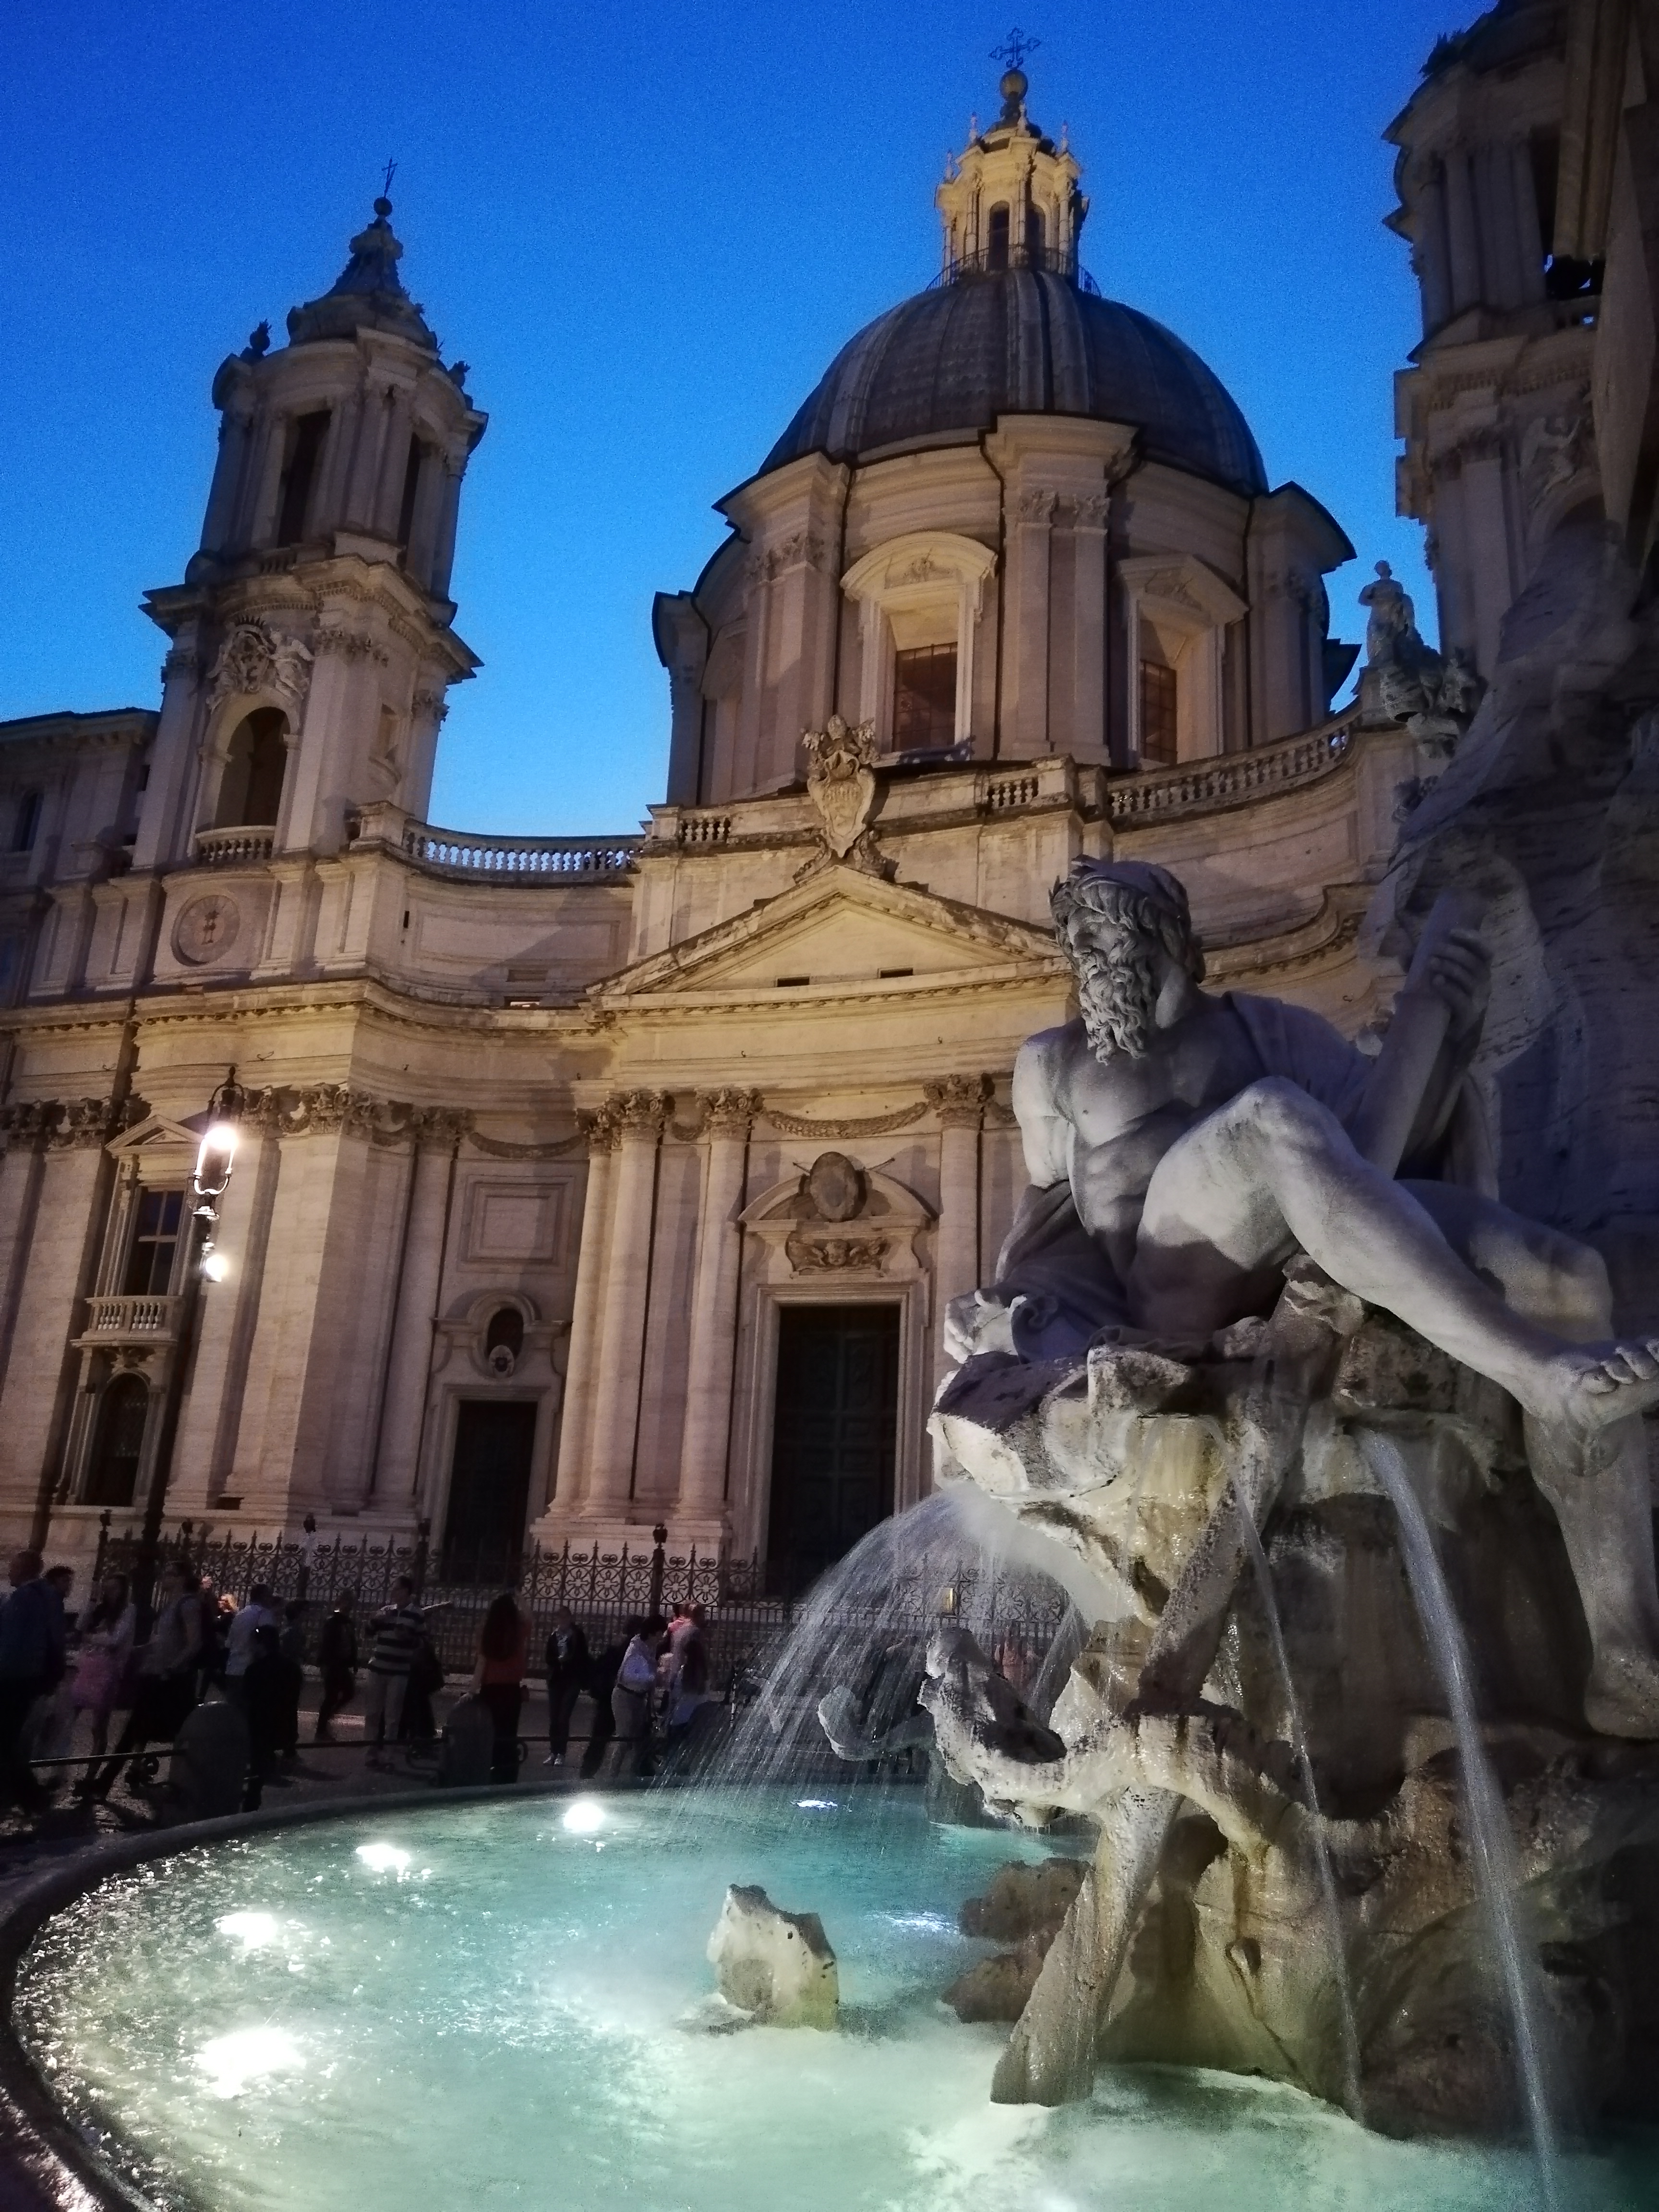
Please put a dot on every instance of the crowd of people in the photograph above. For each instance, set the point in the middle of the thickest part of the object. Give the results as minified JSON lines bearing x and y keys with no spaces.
{"x":645,"y":1688}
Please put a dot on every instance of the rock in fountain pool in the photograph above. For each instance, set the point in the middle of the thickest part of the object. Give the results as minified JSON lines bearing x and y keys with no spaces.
{"x":498,"y":2005}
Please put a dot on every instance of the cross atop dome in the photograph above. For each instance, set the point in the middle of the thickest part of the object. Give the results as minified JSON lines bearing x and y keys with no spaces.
{"x":1011,"y":200}
{"x":1015,"y":51}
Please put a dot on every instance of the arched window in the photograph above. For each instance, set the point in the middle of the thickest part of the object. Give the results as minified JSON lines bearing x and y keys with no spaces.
{"x":250,"y":790}
{"x":996,"y":250}
{"x":118,"y":1441}
{"x":1033,"y":237}
{"x":504,"y":1341}
{"x":305,"y":446}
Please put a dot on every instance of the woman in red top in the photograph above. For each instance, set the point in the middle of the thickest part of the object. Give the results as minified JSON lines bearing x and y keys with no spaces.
{"x":498,"y":1678}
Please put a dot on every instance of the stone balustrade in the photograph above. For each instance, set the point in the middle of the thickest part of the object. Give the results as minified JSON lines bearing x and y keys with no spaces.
{"x":570,"y":860}
{"x":225,"y":849}
{"x":144,"y":1319}
{"x":1231,"y":779}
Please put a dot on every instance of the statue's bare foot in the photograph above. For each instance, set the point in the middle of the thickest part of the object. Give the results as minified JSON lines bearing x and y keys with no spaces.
{"x":1590,"y":1385}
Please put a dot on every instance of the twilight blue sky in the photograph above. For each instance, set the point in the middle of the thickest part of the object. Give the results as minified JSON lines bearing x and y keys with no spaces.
{"x":648,"y":230}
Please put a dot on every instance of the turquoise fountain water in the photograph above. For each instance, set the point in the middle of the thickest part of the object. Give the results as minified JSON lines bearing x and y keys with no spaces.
{"x":499,"y":2005}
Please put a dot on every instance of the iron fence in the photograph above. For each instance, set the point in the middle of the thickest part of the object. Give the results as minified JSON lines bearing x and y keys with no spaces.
{"x":751,"y":1605}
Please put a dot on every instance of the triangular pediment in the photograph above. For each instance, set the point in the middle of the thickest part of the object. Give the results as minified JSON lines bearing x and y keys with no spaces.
{"x":840,"y":927}
{"x":156,"y":1132}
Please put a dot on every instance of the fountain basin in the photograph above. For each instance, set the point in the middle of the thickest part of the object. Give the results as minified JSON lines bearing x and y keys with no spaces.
{"x":504,"y":2002}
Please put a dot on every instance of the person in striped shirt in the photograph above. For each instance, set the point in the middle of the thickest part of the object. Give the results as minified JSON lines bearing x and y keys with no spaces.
{"x":394,"y":1637}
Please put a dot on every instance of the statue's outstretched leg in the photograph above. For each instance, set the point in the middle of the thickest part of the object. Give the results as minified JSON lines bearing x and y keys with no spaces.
{"x":1274,"y":1170}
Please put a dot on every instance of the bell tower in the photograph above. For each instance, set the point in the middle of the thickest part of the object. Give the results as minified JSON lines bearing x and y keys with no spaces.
{"x":311,"y":639}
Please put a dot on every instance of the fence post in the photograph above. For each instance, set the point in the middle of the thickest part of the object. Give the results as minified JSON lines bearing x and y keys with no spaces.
{"x":658,"y":1565}
{"x":423,"y":1544}
{"x":103,"y":1548}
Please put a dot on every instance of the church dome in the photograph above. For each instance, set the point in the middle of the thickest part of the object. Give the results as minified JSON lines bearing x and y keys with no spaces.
{"x":1022,"y":341}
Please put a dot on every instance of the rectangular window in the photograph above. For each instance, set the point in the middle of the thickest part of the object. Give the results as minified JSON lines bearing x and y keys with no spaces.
{"x":156,"y":1231}
{"x":1158,"y":715}
{"x":925,"y":698}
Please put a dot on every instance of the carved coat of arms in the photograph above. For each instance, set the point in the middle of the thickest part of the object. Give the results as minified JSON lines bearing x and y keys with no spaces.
{"x":840,"y":783}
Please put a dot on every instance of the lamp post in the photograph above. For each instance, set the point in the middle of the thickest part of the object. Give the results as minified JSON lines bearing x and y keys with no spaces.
{"x":215,"y":1157}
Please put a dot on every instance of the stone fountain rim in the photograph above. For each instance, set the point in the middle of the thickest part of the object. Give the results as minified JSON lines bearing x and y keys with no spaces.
{"x":42,"y":2154}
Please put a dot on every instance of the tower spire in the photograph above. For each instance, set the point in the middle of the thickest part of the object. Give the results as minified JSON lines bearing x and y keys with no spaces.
{"x":368,"y":291}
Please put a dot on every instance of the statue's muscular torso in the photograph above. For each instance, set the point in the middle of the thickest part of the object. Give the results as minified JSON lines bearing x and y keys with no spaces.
{"x":1104,"y":1126}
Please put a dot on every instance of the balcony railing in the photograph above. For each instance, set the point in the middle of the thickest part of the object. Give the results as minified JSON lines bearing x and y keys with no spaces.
{"x":518,"y":859}
{"x":992,"y":260}
{"x":132,"y":1319}
{"x":1231,"y":779}
{"x":224,"y":848}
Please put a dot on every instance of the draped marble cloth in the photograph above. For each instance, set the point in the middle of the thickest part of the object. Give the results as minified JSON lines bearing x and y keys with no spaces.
{"x":1050,"y":1258}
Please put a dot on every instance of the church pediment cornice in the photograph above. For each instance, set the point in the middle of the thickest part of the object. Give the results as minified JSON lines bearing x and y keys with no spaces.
{"x":728,"y":961}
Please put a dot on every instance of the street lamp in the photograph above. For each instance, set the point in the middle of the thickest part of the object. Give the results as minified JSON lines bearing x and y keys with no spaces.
{"x":215,"y":1157}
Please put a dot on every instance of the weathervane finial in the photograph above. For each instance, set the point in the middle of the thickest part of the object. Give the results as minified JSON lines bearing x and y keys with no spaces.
{"x":1015,"y":48}
{"x":383,"y":205}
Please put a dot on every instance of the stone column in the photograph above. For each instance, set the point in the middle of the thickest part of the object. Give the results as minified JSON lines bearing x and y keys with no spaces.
{"x":714,"y":1306}
{"x":639,"y":1116}
{"x":959,"y":1102}
{"x":582,"y":1364}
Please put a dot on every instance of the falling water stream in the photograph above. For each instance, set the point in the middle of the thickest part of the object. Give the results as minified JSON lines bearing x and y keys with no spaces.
{"x":1498,"y":1874}
{"x":1351,"y":2093}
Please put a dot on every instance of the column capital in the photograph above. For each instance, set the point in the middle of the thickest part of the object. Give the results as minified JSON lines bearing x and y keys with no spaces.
{"x":958,"y":1100}
{"x":638,"y":1116}
{"x":730,"y":1113}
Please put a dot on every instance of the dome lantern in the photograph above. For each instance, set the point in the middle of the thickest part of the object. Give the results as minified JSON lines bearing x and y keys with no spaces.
{"x":1011,"y":201}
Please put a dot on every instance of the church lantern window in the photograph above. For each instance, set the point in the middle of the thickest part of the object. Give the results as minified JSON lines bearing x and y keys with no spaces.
{"x":996,"y":237}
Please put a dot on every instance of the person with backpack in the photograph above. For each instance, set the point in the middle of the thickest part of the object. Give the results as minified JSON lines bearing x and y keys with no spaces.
{"x":336,"y":1656}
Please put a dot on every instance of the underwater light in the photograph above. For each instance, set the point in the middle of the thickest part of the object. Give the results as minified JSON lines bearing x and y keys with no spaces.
{"x":815,"y":1805}
{"x":584,"y":1817}
{"x":383,"y":1858}
{"x":252,"y":1929}
{"x":231,"y":2062}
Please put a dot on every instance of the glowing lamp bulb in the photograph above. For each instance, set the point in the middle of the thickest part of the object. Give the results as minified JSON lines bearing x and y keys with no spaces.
{"x":216,"y":1266}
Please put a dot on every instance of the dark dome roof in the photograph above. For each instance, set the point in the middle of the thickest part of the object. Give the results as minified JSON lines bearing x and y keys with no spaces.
{"x":1022,"y":342}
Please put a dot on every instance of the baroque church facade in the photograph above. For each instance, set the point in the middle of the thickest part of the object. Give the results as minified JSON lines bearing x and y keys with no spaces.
{"x":584,"y":1184}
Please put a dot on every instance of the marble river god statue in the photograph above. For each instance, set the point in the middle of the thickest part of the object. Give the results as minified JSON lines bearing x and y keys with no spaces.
{"x":1254,"y":1306}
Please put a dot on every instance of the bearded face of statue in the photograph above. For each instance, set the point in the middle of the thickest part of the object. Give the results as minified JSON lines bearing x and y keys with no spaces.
{"x":1118,"y":972}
